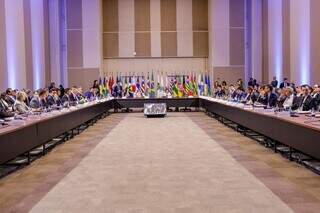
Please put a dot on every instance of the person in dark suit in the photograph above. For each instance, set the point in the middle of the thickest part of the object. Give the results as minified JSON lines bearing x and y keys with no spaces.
{"x":303,"y":101}
{"x":40,"y":101}
{"x":220,"y":92}
{"x":269,"y":98}
{"x":274,"y":82}
{"x":5,"y":110}
{"x":10,"y":96}
{"x":91,"y":94}
{"x":316,"y":97}
{"x":53,"y":98}
{"x":285,"y":83}
{"x":43,"y":99}
{"x":52,"y":86}
{"x":65,"y":98}
{"x":68,"y":99}
{"x":251,"y":96}
{"x":250,"y":82}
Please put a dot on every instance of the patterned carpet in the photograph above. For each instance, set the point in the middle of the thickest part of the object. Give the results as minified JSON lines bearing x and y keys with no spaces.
{"x":159,"y":165}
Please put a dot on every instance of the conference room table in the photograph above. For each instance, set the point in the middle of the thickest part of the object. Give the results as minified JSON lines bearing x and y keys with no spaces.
{"x":21,"y":136}
{"x":301,"y":133}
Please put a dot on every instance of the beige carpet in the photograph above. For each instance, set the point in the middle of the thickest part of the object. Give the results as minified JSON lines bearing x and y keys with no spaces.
{"x":159,"y":165}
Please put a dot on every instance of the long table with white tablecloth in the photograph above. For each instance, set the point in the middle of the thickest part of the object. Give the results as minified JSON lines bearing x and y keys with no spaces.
{"x":301,"y":133}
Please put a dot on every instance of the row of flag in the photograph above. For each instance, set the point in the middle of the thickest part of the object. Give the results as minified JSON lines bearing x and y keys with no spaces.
{"x":177,"y":86}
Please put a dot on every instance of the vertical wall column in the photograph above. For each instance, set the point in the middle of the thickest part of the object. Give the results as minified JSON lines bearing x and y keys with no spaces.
{"x":219,"y":41}
{"x":300,"y":41}
{"x":227,"y":39}
{"x":15,"y":37}
{"x":91,"y":30}
{"x":3,"y":55}
{"x":83,"y":29}
{"x":286,"y":39}
{"x":126,"y":28}
{"x":38,"y":43}
{"x":54,"y":24}
{"x":256,"y":40}
{"x":155,"y":27}
{"x":275,"y":39}
{"x":315,"y":41}
{"x":184,"y":28}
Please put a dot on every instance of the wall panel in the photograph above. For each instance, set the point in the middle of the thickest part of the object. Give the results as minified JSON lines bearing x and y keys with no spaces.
{"x":168,"y":44}
{"x":3,"y":54}
{"x":15,"y":34}
{"x":315,"y":41}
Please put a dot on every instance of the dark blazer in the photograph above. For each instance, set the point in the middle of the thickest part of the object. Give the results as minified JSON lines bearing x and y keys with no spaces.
{"x":283,"y":85}
{"x":51,"y":100}
{"x":272,"y":100}
{"x":35,"y":102}
{"x":65,"y":100}
{"x":10,"y":100}
{"x":301,"y":101}
{"x":315,"y":103}
{"x":269,"y":100}
{"x":220,"y":93}
{"x":44,"y":104}
{"x":4,"y":110}
{"x":253,"y":97}
{"x":274,"y":83}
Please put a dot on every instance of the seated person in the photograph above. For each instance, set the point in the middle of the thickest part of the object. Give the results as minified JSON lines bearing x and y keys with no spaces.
{"x":251,"y":96}
{"x":231,"y":92}
{"x":29,"y":96}
{"x":268,"y":98}
{"x":91,"y":94}
{"x":289,"y":96}
{"x":303,"y":101}
{"x":40,"y":101}
{"x":10,"y":96}
{"x":20,"y":106}
{"x":316,"y":97}
{"x":240,"y":95}
{"x":281,"y":96}
{"x":220,"y":93}
{"x":67,"y":100}
{"x":5,"y":110}
{"x":53,"y":98}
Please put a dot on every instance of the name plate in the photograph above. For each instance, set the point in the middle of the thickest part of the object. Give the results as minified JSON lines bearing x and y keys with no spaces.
{"x":155,"y":109}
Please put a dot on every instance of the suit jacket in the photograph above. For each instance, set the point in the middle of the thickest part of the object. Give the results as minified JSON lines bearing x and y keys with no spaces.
{"x":10,"y":100}
{"x":44,"y":104}
{"x":270,"y":100}
{"x":302,"y":102}
{"x":274,"y":83}
{"x":283,"y":85}
{"x":4,"y":105}
{"x":35,"y":102}
{"x":66,"y":101}
{"x":315,"y":101}
{"x":50,"y":100}
{"x":89,"y":95}
{"x":4,"y":110}
{"x":251,"y":97}
{"x":21,"y":107}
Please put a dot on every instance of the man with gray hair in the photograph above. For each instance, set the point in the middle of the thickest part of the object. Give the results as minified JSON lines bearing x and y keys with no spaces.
{"x":289,"y":93}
